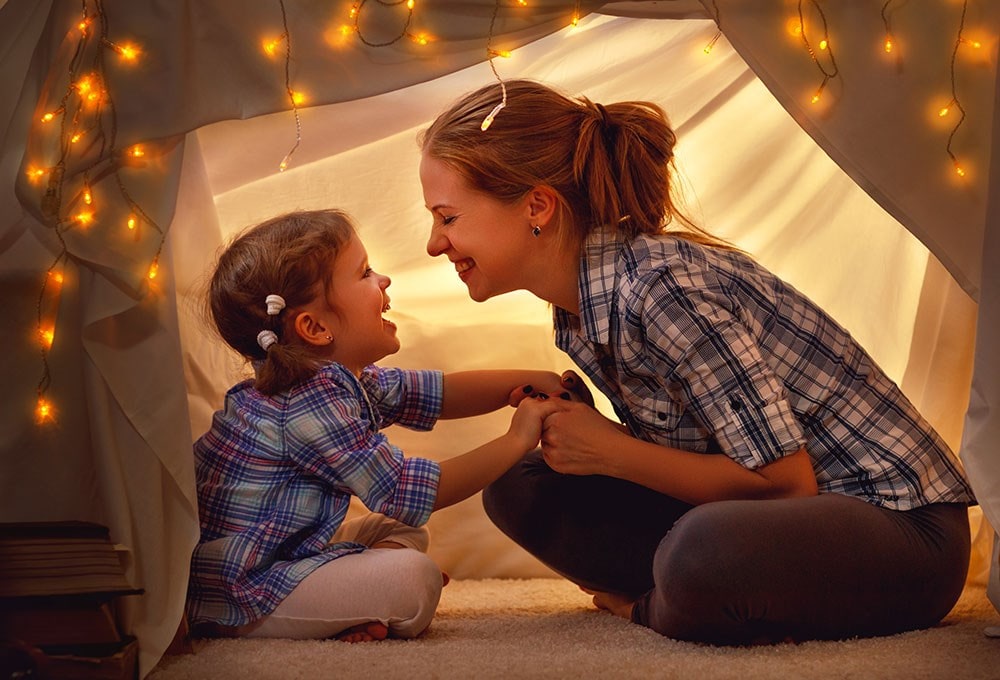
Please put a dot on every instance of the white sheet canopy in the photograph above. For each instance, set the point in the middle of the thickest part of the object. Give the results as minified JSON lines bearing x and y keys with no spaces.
{"x":855,"y":200}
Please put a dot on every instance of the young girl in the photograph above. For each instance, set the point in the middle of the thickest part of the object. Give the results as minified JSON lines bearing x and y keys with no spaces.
{"x":767,"y":479}
{"x":276,"y":471}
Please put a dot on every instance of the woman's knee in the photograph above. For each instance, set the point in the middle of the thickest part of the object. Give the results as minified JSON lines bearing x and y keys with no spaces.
{"x":511,"y":502}
{"x":696,"y":573}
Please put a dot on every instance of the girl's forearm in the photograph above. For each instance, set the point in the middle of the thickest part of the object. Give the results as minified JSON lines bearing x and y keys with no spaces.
{"x":464,"y":475}
{"x":472,"y":393}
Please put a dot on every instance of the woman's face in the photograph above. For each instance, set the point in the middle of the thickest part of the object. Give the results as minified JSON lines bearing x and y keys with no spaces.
{"x":487,"y":241}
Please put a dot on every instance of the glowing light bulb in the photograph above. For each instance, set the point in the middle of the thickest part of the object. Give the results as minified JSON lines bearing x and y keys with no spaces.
{"x":88,"y":197}
{"x":711,"y":44}
{"x":794,"y":27}
{"x":488,"y":121}
{"x":354,"y":11}
{"x":271,"y":46}
{"x":43,"y":411}
{"x":76,"y":137}
{"x":504,"y":54}
{"x":84,"y":26}
{"x":522,"y":3}
{"x":154,"y":269}
{"x":284,"y":163}
{"x":298,"y":98}
{"x":57,"y":278}
{"x":128,"y":52}
{"x":136,"y":151}
{"x":131,"y":222}
{"x":959,"y":170}
{"x":945,"y":110}
{"x":85,"y":85}
{"x":409,"y":4}
{"x":85,"y":218}
{"x":421,"y":39}
{"x":575,"y":20}
{"x":35,"y":174}
{"x":888,"y":45}
{"x":47,"y":118}
{"x":823,"y":44}
{"x":346,"y":30}
{"x":47,"y":336}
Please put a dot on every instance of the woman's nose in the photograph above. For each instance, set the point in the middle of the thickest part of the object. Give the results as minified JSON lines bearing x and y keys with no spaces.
{"x":436,"y":243}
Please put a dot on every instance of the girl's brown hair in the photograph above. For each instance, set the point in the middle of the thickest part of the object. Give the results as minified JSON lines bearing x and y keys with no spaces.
{"x":290,"y":256}
{"x":611,"y":166}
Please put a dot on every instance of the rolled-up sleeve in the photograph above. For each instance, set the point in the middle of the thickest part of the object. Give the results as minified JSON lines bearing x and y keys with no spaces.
{"x":409,"y":398}
{"x":714,"y":367}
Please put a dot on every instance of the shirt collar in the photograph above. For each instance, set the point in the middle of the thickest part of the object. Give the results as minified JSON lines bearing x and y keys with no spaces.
{"x":598,"y":278}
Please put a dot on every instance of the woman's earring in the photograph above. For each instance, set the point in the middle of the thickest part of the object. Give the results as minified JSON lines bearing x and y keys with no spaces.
{"x":536,"y":230}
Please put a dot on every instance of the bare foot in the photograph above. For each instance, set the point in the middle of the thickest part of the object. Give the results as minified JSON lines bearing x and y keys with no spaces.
{"x":619,"y":605}
{"x":364,"y":632}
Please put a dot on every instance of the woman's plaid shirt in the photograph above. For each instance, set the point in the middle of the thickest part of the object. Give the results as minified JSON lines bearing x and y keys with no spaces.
{"x":702,"y":349}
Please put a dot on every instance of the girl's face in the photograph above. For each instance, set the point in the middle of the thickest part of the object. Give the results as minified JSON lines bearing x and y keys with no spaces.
{"x":352,"y":312}
{"x":487,"y":241}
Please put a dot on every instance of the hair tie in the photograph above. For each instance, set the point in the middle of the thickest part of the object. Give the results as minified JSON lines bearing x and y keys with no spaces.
{"x":266,"y":338}
{"x":602,"y":113}
{"x":275,"y":303}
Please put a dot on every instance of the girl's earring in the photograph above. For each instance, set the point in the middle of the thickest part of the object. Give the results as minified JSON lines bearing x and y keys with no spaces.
{"x":330,"y":338}
{"x":536,"y":230}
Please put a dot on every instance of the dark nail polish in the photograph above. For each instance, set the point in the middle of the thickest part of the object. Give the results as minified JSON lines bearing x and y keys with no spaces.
{"x":565,"y":395}
{"x":528,"y":389}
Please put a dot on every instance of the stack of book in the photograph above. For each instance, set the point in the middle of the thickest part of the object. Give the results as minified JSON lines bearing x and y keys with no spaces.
{"x":59,"y":584}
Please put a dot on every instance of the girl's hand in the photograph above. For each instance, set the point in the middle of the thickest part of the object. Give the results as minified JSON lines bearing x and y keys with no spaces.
{"x":568,"y":387}
{"x":526,"y":425}
{"x":578,"y":440}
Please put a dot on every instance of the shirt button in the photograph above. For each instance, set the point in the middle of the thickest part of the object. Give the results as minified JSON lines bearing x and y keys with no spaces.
{"x":661,"y":415}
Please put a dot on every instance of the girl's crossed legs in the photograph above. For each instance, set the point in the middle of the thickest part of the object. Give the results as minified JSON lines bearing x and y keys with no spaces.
{"x":384,"y":591}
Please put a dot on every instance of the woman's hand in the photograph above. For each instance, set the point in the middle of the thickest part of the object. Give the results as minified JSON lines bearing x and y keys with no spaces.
{"x":526,"y":425}
{"x":568,"y":387}
{"x":577,"y":439}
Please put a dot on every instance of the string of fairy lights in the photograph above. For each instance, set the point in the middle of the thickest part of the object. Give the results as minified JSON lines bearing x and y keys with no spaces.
{"x":86,"y":141}
{"x":821,"y":52}
{"x":82,"y":124}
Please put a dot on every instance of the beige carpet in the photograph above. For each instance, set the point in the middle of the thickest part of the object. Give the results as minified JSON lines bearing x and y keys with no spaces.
{"x":547,"y":628}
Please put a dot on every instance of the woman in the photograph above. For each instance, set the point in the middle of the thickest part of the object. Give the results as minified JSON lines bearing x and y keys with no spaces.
{"x":767,"y":480}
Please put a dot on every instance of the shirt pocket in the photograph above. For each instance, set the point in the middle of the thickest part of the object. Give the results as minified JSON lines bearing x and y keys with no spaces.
{"x":658,"y":415}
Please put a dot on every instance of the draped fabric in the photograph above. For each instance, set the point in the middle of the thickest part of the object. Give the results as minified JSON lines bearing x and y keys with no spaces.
{"x":868,"y":222}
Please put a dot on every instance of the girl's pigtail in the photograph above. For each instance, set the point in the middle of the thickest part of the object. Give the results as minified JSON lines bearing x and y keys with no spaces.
{"x":284,"y":366}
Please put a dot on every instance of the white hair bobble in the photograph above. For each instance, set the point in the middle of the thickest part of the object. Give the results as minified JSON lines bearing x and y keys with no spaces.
{"x":275,"y":303}
{"x":266,"y":338}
